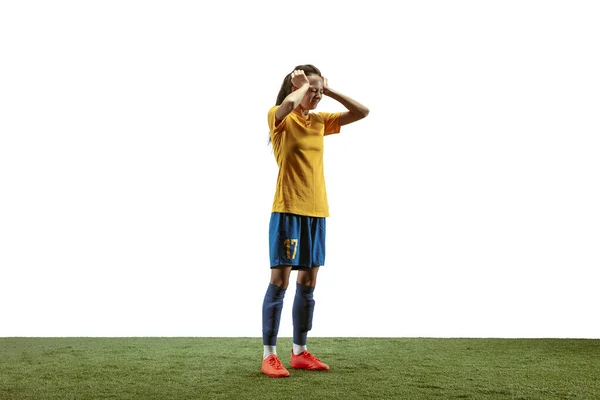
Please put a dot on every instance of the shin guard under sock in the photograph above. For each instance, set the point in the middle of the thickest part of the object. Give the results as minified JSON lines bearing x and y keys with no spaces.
{"x":302,"y":312}
{"x":271,"y":314}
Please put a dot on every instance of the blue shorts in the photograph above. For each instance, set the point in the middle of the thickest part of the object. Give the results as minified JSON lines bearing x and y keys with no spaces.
{"x":296,"y":240}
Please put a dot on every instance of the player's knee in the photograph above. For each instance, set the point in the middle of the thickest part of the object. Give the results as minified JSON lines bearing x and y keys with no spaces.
{"x":307,"y":279}
{"x":280,"y":281}
{"x":280,"y":276}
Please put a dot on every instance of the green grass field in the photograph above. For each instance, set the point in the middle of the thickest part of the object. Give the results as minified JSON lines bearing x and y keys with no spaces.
{"x":361,"y":368}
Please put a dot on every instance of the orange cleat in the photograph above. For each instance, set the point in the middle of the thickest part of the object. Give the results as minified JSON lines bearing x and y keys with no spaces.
{"x":272,"y":367}
{"x":306,"y":360}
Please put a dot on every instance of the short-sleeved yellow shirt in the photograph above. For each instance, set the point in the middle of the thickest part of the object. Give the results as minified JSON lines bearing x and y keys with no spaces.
{"x":298,"y":147}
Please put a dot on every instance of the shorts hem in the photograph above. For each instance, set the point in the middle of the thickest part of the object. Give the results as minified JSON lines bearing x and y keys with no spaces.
{"x":296,"y":267}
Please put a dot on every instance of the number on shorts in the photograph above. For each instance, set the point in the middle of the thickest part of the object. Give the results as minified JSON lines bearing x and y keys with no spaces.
{"x":289,"y":243}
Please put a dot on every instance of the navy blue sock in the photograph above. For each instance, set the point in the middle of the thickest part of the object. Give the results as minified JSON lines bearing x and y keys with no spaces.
{"x":302,"y":312}
{"x":271,"y":314}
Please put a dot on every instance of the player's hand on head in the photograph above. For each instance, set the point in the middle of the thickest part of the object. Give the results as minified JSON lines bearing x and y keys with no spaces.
{"x":299,"y":78}
{"x":325,"y":85}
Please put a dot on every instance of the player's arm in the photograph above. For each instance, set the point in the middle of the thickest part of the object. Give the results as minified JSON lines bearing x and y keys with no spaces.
{"x":355,"y":111}
{"x":301,"y":83}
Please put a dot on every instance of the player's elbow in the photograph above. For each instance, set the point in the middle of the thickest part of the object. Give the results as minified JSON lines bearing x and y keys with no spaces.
{"x":361,"y":113}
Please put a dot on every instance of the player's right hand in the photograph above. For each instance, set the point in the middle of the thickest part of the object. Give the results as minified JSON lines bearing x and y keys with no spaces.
{"x":299,"y":78}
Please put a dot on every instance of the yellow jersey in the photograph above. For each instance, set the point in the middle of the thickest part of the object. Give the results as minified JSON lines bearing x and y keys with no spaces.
{"x":298,"y":147}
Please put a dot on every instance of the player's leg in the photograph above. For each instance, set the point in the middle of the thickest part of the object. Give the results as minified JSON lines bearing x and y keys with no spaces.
{"x":280,"y":276}
{"x":271,"y":315}
{"x":282,"y":230}
{"x":272,"y":306}
{"x":304,"y":303}
{"x":303,"y":308}
{"x":273,"y":301}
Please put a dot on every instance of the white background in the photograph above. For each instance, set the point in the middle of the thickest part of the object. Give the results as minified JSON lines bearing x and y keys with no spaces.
{"x":136,"y":181}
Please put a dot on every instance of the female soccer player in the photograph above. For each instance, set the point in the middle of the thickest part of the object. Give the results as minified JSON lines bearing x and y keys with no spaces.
{"x":297,"y":226}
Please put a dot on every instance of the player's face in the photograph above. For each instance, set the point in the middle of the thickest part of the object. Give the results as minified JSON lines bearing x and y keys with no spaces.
{"x":314,"y":94}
